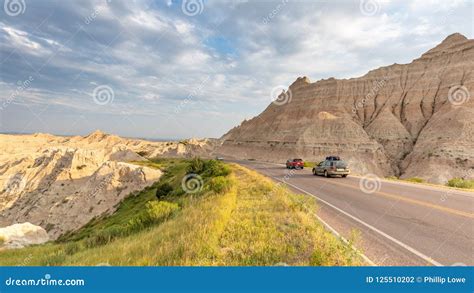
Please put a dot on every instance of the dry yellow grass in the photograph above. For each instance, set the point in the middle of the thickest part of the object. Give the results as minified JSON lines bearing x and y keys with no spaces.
{"x":255,"y":222}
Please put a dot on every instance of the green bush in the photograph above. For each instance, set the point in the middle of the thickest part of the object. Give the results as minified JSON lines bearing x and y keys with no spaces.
{"x":196,"y":166}
{"x":415,"y":179}
{"x":155,"y":212}
{"x":163,"y":190}
{"x":213,"y":168}
{"x":220,"y":184}
{"x":209,"y":168}
{"x":461,"y":183}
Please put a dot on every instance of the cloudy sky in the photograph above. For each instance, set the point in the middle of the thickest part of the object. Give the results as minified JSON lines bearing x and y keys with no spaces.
{"x":176,"y":69}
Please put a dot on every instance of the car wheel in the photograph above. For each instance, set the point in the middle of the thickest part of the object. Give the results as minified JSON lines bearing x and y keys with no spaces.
{"x":344,"y":176}
{"x":326,"y":174}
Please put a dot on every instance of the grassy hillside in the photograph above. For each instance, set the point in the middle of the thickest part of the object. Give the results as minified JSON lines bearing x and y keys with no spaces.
{"x":238,"y":217}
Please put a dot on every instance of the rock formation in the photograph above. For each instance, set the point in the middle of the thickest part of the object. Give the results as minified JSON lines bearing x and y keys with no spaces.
{"x":61,"y":183}
{"x":21,"y":235}
{"x":406,"y":120}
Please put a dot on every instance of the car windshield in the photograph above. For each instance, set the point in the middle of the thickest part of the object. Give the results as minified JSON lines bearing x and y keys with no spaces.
{"x":298,"y":160}
{"x":341,"y":164}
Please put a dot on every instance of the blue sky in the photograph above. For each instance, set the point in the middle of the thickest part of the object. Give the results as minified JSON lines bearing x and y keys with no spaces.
{"x":168,"y":69}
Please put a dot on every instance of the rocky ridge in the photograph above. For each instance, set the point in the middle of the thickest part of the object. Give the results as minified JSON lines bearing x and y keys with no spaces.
{"x":61,"y":183}
{"x":406,"y":120}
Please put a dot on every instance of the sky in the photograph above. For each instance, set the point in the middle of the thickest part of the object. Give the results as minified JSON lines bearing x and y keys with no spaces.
{"x":194,"y":68}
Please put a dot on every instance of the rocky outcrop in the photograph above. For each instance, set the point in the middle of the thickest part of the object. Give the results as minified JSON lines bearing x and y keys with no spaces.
{"x":21,"y":235}
{"x":61,"y":183}
{"x":407,"y":120}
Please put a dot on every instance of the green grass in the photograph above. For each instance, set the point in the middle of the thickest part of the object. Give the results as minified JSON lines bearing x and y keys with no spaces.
{"x":415,"y":180}
{"x":238,"y":218}
{"x":461,"y":183}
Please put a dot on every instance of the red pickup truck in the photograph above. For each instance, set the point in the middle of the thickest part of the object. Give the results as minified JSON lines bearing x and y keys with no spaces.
{"x":295,"y":164}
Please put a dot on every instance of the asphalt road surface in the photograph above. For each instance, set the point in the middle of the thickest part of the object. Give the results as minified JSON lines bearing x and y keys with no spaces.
{"x":399,"y":223}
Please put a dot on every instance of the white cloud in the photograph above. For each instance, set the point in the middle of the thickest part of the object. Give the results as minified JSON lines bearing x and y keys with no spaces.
{"x":154,"y":56}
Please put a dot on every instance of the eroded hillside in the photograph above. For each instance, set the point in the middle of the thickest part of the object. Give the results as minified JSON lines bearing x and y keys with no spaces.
{"x":61,"y":183}
{"x":407,"y":120}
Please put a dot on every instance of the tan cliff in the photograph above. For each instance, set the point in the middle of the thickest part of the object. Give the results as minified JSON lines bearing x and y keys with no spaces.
{"x":407,"y":120}
{"x":61,"y":183}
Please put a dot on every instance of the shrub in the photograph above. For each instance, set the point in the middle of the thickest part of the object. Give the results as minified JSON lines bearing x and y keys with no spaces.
{"x":2,"y":240}
{"x":155,"y":212}
{"x":163,"y":190}
{"x":220,"y":184}
{"x":415,"y":179}
{"x":209,"y":168}
{"x":196,"y":166}
{"x":461,"y":183}
{"x":213,"y":168}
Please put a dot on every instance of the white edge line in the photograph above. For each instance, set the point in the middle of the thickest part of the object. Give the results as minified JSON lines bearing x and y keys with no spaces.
{"x":395,"y":182}
{"x":334,"y":231}
{"x":407,"y":247}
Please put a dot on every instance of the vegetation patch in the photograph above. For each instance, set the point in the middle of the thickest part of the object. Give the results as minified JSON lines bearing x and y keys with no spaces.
{"x":238,"y":218}
{"x":461,"y":183}
{"x":415,"y":180}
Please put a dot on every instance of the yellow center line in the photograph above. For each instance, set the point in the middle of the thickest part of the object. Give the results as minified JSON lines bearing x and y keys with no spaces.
{"x":413,"y":201}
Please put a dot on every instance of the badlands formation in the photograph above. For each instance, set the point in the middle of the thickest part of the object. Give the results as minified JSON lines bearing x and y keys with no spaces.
{"x":61,"y":183}
{"x":411,"y":120}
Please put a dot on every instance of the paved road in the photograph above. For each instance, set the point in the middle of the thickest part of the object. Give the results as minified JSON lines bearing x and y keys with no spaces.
{"x":399,"y":223}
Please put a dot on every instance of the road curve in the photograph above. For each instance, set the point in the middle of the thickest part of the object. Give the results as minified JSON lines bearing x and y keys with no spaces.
{"x":400,"y":223}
